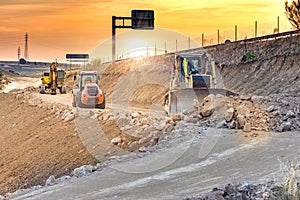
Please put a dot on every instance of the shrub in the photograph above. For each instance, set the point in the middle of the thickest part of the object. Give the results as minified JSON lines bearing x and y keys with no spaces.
{"x":291,"y":189}
{"x":250,"y":55}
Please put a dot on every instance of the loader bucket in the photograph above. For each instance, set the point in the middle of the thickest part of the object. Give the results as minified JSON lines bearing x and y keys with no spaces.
{"x":176,"y":101}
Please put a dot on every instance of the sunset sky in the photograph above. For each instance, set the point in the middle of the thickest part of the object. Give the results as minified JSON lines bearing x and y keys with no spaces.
{"x":57,"y":27}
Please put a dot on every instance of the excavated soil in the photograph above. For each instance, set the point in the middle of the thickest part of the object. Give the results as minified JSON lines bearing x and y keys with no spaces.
{"x":34,"y":145}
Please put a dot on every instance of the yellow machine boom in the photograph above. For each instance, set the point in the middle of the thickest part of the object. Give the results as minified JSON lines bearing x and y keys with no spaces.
{"x":53,"y":80}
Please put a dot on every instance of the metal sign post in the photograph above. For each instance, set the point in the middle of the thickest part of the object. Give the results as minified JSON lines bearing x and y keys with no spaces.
{"x":140,"y":19}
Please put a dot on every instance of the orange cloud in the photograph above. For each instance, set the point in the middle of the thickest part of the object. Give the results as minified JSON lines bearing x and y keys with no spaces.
{"x":58,"y":27}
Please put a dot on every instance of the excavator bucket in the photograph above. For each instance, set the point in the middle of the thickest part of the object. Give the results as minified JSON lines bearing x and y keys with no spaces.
{"x":176,"y":101}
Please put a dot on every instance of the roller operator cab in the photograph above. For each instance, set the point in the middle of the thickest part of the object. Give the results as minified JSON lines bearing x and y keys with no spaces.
{"x":86,"y":91}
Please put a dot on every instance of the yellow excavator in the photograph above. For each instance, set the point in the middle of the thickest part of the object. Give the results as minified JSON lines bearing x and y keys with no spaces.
{"x":53,"y":80}
{"x":193,"y":77}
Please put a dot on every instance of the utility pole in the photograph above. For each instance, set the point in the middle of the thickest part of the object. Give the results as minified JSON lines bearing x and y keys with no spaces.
{"x":26,"y":53}
{"x":189,"y":41}
{"x":218,"y":32}
{"x":176,"y":46}
{"x":166,"y":48}
{"x":19,"y":53}
{"x":235,"y":32}
{"x":278,"y":24}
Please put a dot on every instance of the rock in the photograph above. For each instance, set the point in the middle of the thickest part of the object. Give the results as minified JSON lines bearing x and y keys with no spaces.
{"x":63,"y":178}
{"x":191,"y":119}
{"x":276,"y":113}
{"x":222,"y":124}
{"x":229,"y":114}
{"x":69,"y":117}
{"x":245,"y":97}
{"x":257,"y":99}
{"x":126,"y":128}
{"x":169,"y":120}
{"x":133,"y":145}
{"x":190,"y":111}
{"x":83,"y":171}
{"x":230,"y":189}
{"x":32,"y":103}
{"x":208,"y":106}
{"x":241,"y":121}
{"x":154,"y":141}
{"x":50,"y":181}
{"x":247,"y":127}
{"x":19,"y":96}
{"x":290,"y":114}
{"x":144,"y":140}
{"x":212,"y":103}
{"x":286,"y":126}
{"x":266,"y":195}
{"x":243,"y":110}
{"x":196,"y":103}
{"x":116,"y":140}
{"x":160,"y":126}
{"x":142,"y":149}
{"x":185,"y":112}
{"x":135,"y":115}
{"x":168,"y":128}
{"x":176,"y":117}
{"x":107,"y":116}
{"x":231,"y":124}
{"x":271,"y":108}
{"x":97,"y":167}
{"x":145,"y":121}
{"x":284,"y":102}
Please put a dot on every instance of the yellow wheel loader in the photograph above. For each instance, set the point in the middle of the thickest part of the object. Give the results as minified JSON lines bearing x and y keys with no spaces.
{"x":193,"y":77}
{"x":55,"y":79}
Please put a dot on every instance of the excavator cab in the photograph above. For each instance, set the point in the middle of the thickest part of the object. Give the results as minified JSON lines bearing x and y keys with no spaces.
{"x":46,"y":78}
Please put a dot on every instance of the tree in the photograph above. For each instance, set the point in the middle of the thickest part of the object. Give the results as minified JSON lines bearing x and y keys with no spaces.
{"x":292,"y":11}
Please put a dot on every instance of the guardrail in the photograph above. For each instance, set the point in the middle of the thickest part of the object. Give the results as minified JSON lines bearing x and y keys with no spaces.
{"x":255,"y":39}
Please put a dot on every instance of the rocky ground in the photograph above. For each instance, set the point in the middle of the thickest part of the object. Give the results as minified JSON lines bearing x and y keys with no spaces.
{"x":36,"y":142}
{"x":3,"y":79}
{"x":54,"y":139}
{"x":268,"y":190}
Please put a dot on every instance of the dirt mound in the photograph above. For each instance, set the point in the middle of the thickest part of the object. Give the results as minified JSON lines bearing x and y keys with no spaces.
{"x":148,"y":95}
{"x":35,"y":144}
{"x":141,"y":79}
{"x":277,"y":75}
